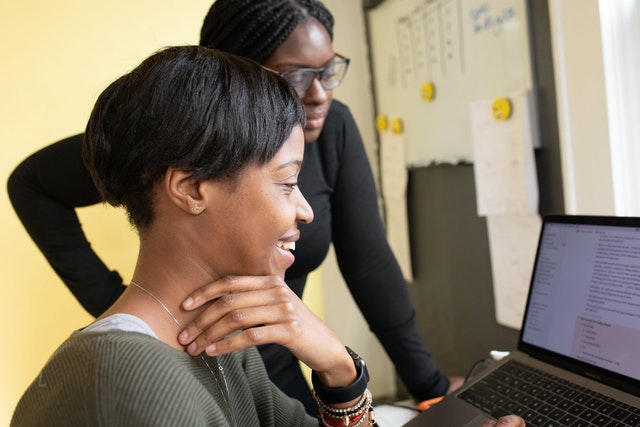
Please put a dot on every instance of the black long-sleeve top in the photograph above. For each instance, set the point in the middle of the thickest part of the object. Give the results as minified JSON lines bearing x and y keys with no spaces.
{"x":336,"y":180}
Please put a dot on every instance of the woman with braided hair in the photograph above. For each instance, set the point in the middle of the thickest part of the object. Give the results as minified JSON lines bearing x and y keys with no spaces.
{"x":293,"y":38}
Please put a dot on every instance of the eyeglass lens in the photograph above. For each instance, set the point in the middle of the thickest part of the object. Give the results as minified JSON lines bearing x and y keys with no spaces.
{"x":330,"y":76}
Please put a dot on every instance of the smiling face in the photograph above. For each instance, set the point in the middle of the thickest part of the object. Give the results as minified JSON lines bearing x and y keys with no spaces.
{"x":308,"y":46}
{"x":255,"y":219}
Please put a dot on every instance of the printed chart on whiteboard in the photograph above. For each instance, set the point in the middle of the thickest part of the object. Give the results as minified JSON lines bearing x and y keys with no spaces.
{"x":432,"y":58}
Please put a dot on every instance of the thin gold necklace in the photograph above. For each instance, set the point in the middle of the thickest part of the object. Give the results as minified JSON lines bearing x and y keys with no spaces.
{"x":224,"y":390}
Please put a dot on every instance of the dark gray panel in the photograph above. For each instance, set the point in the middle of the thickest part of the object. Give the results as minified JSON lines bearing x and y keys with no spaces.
{"x":452,"y":290}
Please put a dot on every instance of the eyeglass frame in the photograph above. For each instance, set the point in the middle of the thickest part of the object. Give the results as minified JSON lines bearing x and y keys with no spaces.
{"x":318,"y":72}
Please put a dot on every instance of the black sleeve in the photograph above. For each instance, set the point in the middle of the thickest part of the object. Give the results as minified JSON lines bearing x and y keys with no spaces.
{"x":44,"y":190}
{"x":370,"y":268}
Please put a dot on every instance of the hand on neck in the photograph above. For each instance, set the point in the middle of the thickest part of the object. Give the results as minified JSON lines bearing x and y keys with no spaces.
{"x":158,"y":307}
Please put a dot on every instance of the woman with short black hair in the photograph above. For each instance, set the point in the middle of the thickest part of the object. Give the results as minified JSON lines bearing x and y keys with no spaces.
{"x":293,"y":38}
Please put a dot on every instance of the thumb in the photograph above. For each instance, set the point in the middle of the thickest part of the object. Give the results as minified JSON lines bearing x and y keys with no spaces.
{"x":506,"y":421}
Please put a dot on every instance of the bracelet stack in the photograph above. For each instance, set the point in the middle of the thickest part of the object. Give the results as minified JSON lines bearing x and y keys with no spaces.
{"x":354,"y":416}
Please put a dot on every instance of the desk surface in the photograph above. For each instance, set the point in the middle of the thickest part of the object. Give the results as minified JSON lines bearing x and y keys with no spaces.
{"x":393,"y":416}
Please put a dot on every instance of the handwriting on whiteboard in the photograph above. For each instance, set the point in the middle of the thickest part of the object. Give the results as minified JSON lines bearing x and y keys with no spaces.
{"x":484,"y":19}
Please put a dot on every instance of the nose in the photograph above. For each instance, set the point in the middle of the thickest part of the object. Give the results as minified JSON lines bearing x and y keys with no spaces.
{"x":304,"y":212}
{"x":316,"y":94}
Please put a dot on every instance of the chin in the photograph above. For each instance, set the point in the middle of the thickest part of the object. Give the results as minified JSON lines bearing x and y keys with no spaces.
{"x":278,"y":269}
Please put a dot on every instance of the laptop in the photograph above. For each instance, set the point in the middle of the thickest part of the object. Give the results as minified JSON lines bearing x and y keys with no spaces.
{"x":578,"y":355}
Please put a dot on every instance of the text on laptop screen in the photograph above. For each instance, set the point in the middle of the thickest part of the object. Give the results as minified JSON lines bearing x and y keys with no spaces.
{"x":585,"y":296}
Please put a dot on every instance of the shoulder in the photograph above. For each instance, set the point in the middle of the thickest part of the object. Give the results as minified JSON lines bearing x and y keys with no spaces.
{"x":121,"y":355}
{"x":339,"y":131}
{"x":339,"y":116}
{"x":100,"y":362}
{"x":105,"y":376}
{"x":340,"y":142}
{"x":338,"y":107}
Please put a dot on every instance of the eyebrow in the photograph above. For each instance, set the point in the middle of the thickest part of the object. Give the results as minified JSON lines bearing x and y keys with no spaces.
{"x":297,"y":163}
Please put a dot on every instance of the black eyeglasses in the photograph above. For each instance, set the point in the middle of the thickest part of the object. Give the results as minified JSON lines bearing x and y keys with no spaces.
{"x":330,"y":76}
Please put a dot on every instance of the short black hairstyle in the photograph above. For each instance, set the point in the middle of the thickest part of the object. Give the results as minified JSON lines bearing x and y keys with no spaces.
{"x":186,"y":107}
{"x":256,"y":28}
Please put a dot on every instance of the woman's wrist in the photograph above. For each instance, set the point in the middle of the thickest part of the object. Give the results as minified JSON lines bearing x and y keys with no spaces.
{"x":345,"y":405}
{"x":355,"y":415}
{"x":342,"y":391}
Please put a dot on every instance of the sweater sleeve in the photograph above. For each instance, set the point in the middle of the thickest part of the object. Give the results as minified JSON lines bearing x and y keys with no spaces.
{"x":44,"y":190}
{"x":274,"y":406}
{"x":370,"y":269}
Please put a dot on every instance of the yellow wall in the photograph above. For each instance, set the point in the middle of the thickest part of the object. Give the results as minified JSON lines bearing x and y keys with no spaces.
{"x":55,"y":58}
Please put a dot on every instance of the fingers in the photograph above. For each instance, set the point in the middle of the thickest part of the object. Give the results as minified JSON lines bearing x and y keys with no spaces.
{"x":222,"y":286}
{"x":254,"y":302}
{"x":455,"y":383}
{"x":245,"y":311}
{"x":246,"y":338}
{"x":253,"y":324}
{"x":506,"y":421}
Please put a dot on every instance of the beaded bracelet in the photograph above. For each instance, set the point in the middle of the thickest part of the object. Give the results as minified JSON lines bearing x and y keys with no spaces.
{"x":353,"y":416}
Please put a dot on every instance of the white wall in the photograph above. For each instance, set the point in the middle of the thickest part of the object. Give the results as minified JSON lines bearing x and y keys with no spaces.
{"x":621,"y":44}
{"x":582,"y":107}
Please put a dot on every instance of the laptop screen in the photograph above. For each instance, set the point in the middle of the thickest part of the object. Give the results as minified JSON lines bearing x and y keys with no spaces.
{"x":584,"y":300}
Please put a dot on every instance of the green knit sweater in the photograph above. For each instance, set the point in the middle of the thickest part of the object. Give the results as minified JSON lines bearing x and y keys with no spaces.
{"x":120,"y":378}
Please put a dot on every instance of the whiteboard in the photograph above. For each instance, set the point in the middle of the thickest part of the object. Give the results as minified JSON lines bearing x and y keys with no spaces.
{"x":468,"y":49}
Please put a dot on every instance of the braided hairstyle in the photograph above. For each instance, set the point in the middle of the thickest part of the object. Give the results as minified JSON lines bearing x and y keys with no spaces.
{"x":256,"y":28}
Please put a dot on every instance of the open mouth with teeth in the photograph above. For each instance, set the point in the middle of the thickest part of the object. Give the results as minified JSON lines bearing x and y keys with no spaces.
{"x":290,"y":246}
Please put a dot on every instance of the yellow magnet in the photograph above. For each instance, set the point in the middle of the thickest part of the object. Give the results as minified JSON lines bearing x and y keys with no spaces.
{"x":396,"y":126}
{"x":427,"y":91}
{"x":501,"y":109}
{"x":382,"y":123}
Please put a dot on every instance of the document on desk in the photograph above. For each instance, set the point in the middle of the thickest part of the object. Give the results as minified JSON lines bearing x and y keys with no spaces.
{"x":393,"y":416}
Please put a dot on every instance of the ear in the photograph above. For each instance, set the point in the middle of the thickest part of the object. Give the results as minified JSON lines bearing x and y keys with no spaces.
{"x":184,"y":190}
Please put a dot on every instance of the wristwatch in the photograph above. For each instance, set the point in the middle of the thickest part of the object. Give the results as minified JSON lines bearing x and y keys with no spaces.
{"x":343,"y":394}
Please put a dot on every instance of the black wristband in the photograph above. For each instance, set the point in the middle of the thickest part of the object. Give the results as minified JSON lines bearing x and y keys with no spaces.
{"x":332,"y":395}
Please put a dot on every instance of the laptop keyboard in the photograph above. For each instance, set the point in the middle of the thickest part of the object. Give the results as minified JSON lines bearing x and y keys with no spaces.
{"x":544,"y":400}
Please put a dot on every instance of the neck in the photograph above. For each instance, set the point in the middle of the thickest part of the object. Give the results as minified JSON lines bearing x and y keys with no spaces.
{"x":166,"y":273}
{"x":162,"y":311}
{"x":159,"y":301}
